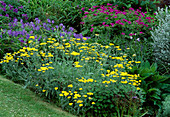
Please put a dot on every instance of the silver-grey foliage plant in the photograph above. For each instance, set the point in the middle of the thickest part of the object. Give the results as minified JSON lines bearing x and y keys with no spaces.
{"x":161,"y":38}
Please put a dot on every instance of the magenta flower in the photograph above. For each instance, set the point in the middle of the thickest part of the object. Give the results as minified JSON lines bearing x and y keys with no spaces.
{"x":154,"y":13}
{"x":146,"y":25}
{"x":95,"y":14}
{"x":81,"y":22}
{"x":112,"y":24}
{"x":86,"y":13}
{"x":108,"y":4}
{"x":115,"y":16}
{"x":103,"y":23}
{"x":106,"y":26}
{"x":125,"y":20}
{"x":131,"y":9}
{"x":130,"y":34}
{"x":83,"y":9}
{"x":143,"y":14}
{"x":123,"y":33}
{"x":91,"y":30}
{"x":121,"y":23}
{"x":118,"y":21}
{"x":92,"y":24}
{"x":107,"y":13}
{"x":106,"y":17}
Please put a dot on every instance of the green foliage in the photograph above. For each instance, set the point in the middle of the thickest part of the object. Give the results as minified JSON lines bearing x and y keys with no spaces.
{"x":128,"y":31}
{"x":13,"y":9}
{"x":166,"y":106}
{"x":161,"y":40}
{"x":57,"y":57}
{"x":152,"y":84}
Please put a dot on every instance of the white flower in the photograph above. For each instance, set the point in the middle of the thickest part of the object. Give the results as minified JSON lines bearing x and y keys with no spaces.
{"x":138,"y":39}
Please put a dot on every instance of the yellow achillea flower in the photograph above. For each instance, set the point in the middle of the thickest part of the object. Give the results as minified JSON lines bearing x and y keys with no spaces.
{"x":44,"y":68}
{"x":70,"y":85}
{"x":70,"y":104}
{"x":60,"y":94}
{"x":93,"y":103}
{"x":32,"y":37}
{"x":111,"y":44}
{"x":78,"y":66}
{"x":43,"y":90}
{"x":75,"y":53}
{"x":56,"y":88}
{"x":137,"y":62}
{"x":30,"y":41}
{"x":69,"y":97}
{"x":89,"y":93}
{"x":124,"y":82}
{"x":138,"y":88}
{"x":79,"y":101}
{"x":43,"y":43}
{"x":80,"y":88}
{"x":84,"y":95}
{"x":36,"y":85}
{"x":80,"y":105}
{"x":50,"y":67}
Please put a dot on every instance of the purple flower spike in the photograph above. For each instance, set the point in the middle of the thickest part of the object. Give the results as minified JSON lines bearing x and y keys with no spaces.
{"x":31,"y":32}
{"x":52,"y":29}
{"x":49,"y":21}
{"x":61,"y":25}
{"x":27,"y":36}
{"x":56,"y":26}
{"x":52,"y":22}
{"x":71,"y":29}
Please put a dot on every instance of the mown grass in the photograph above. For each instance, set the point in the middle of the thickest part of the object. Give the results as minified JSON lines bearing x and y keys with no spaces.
{"x":18,"y":102}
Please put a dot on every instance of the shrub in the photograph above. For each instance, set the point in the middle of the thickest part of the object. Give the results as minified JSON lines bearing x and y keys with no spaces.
{"x":128,"y":28}
{"x":161,"y":43}
{"x":19,"y":32}
{"x":10,"y":11}
{"x":77,"y":73}
{"x":152,"y":84}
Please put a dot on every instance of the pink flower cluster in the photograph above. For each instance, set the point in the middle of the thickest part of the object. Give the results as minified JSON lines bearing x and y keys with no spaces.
{"x":112,"y":12}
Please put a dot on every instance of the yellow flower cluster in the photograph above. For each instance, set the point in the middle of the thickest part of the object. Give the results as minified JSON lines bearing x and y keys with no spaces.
{"x":85,"y":52}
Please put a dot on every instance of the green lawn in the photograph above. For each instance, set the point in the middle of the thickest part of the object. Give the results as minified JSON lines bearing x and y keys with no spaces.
{"x":18,"y":102}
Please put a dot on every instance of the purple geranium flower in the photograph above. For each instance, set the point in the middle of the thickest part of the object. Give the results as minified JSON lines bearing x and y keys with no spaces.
{"x":4,"y":9}
{"x":21,"y":7}
{"x":15,"y":10}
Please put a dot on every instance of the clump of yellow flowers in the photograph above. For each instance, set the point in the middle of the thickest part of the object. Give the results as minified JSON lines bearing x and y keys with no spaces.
{"x":86,"y":58}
